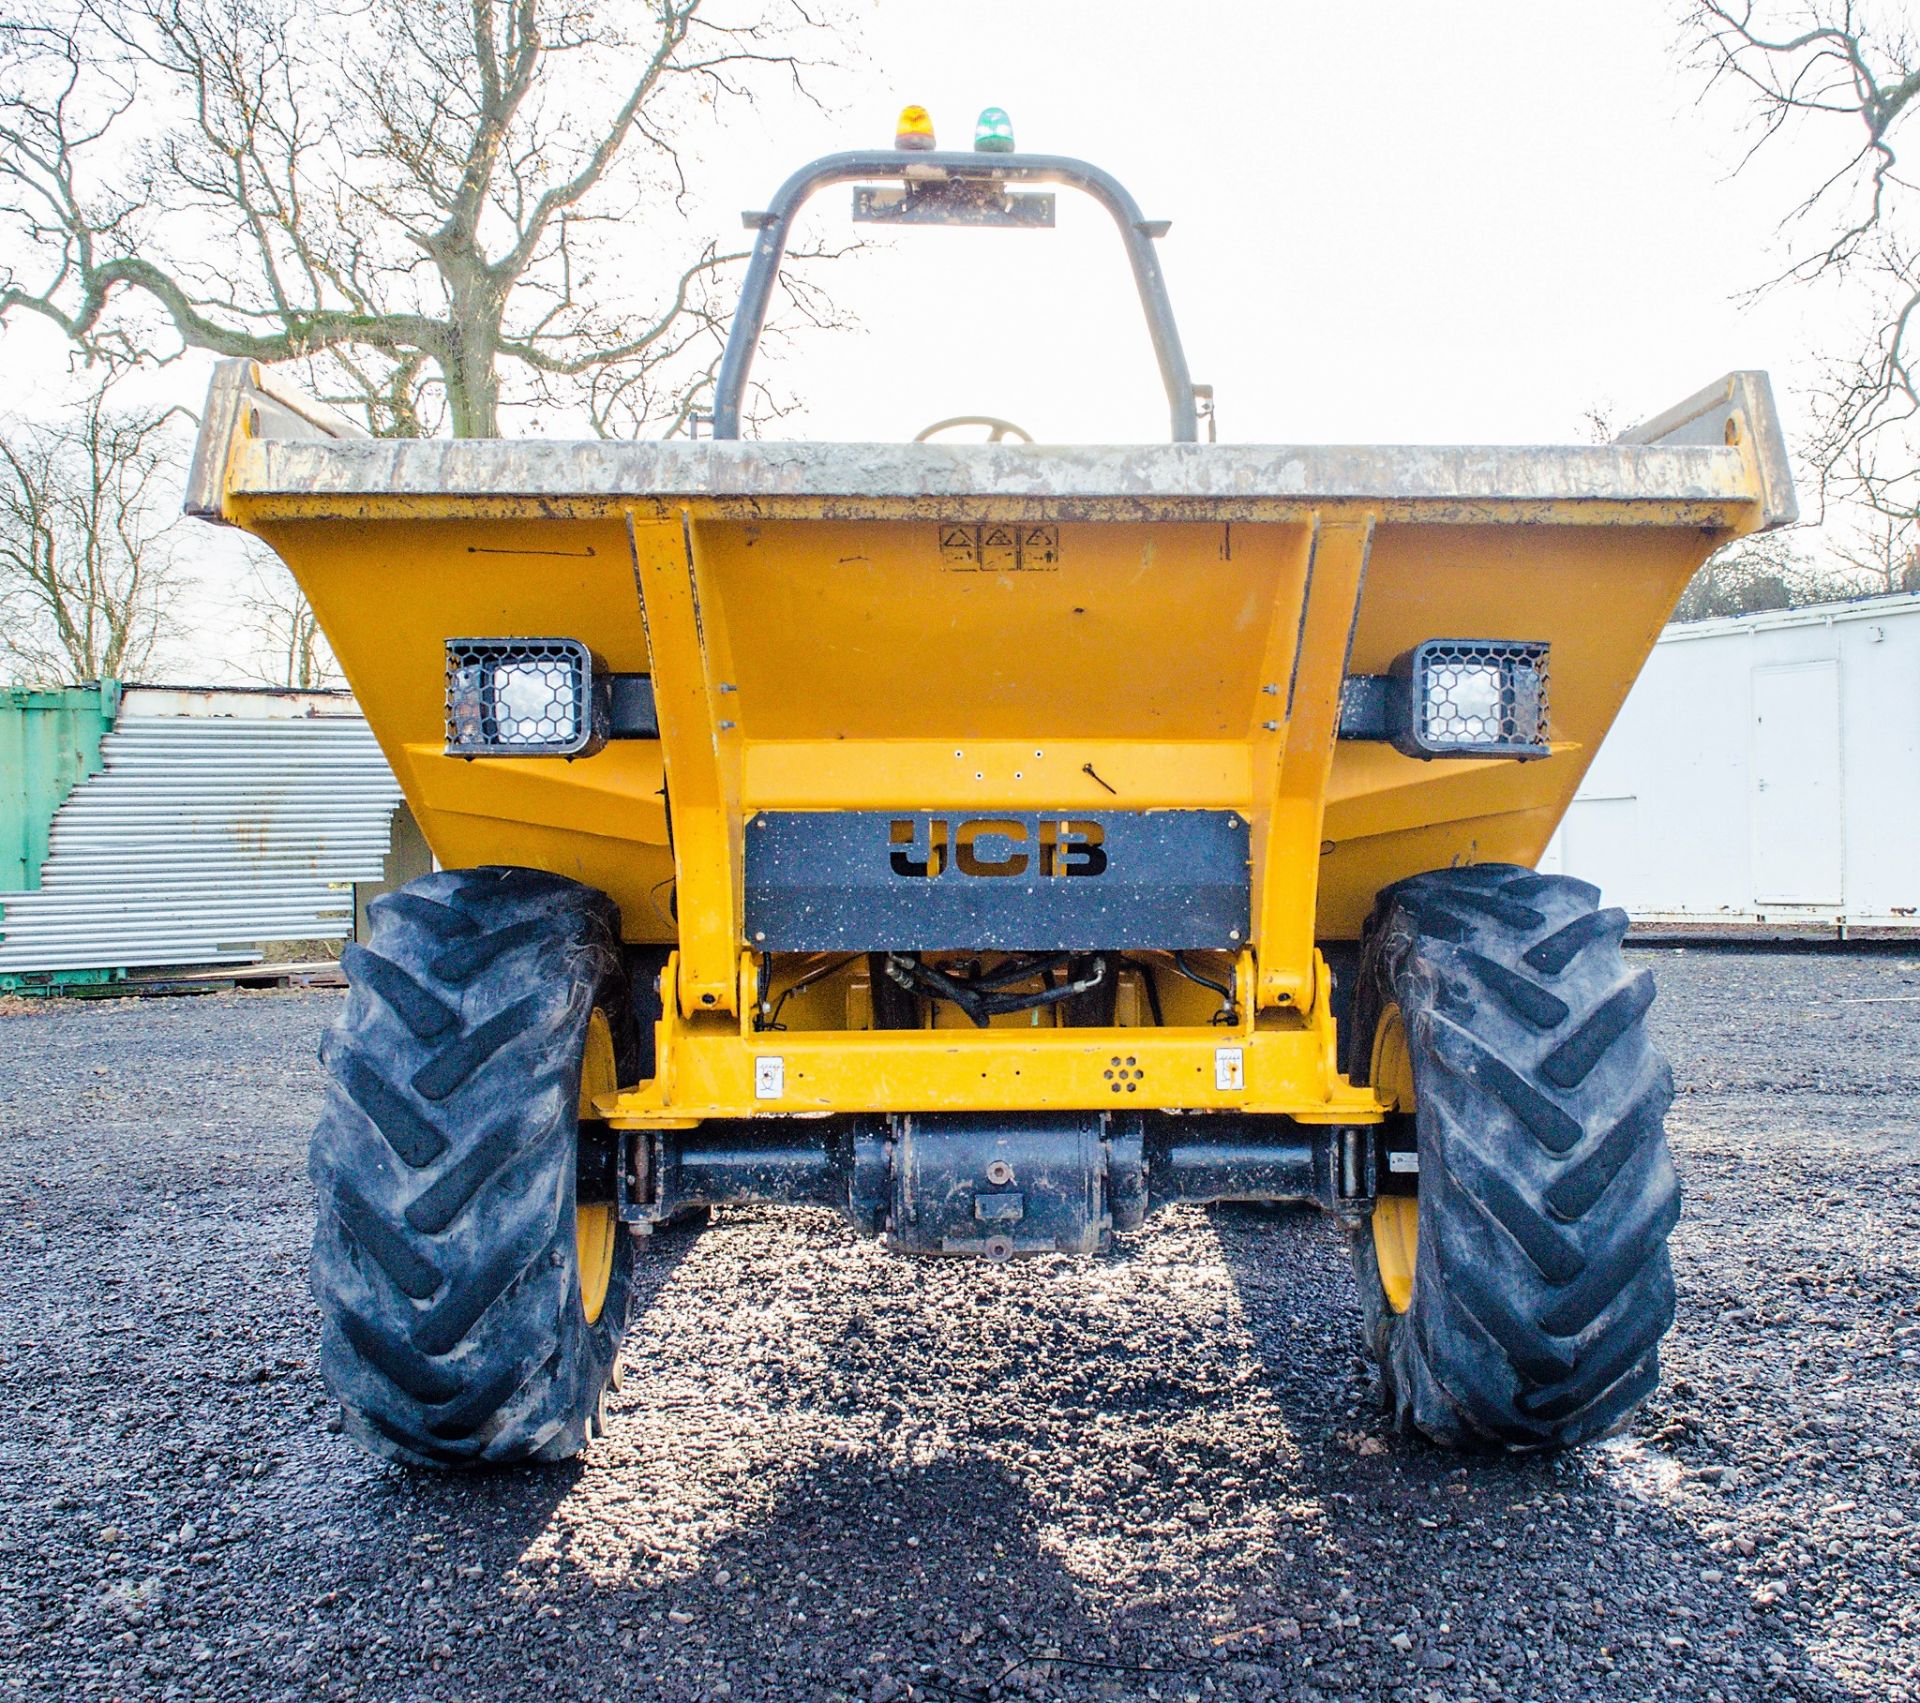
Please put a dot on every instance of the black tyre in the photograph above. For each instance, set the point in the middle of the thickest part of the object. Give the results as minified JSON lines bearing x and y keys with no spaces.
{"x":474,"y":1297}
{"x":1518,"y":1296}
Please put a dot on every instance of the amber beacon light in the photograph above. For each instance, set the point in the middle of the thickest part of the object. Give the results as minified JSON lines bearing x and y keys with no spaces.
{"x":913,"y":132}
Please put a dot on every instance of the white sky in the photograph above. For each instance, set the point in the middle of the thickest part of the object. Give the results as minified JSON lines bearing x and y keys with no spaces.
{"x":1393,"y":221}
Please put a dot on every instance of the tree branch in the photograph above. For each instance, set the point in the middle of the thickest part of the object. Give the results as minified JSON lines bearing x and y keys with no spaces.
{"x":428,"y":200}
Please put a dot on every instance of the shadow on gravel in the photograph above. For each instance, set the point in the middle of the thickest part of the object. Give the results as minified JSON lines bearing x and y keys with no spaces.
{"x":876,"y":1480}
{"x":1593,"y":1572}
{"x":399,"y":1554}
{"x":938,"y":1576}
{"x":1161,"y":1469}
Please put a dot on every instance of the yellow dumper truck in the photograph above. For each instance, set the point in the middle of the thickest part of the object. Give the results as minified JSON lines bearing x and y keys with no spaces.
{"x":993,"y":841}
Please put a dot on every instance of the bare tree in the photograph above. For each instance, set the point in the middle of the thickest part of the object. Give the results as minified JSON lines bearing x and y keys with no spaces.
{"x":289,"y":648}
{"x":1881,"y":554}
{"x":1749,"y":576}
{"x":449,"y":207}
{"x":87,"y":573}
{"x":1773,"y":570}
{"x":1843,"y":76}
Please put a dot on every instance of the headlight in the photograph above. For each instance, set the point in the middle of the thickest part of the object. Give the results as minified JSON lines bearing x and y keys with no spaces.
{"x":524,"y":698}
{"x":1477,"y":698}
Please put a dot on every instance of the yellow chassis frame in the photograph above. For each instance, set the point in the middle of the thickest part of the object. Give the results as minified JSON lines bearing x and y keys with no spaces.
{"x":1265,"y":1064}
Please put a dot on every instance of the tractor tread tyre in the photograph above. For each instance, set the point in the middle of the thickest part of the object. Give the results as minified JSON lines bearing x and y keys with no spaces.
{"x":445,"y":1258}
{"x":1542,"y":1285}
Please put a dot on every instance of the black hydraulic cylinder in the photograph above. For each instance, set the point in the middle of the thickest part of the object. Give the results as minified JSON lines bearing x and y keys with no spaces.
{"x":1004,"y":1184}
{"x":784,"y":1164}
{"x":1221,"y":1157}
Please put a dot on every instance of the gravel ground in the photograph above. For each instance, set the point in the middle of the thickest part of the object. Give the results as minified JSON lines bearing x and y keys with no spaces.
{"x":834,"y":1474}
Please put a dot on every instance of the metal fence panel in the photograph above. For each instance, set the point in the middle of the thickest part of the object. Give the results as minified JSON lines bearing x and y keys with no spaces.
{"x":203,"y":837}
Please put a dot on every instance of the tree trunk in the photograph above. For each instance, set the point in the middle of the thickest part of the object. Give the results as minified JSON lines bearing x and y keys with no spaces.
{"x":471,"y":368}
{"x":473,"y":399}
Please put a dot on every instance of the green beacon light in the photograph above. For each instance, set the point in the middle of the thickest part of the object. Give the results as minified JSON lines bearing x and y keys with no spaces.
{"x":993,"y":132}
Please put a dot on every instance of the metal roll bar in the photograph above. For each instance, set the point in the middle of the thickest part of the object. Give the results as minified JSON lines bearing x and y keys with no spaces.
{"x":1137,"y":233}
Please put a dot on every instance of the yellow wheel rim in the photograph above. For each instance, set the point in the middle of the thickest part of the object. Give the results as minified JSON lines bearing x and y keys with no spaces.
{"x":597,"y":1223}
{"x":1396,"y":1217}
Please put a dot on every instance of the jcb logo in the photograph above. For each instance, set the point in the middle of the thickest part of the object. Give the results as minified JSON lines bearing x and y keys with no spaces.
{"x":992,"y":846}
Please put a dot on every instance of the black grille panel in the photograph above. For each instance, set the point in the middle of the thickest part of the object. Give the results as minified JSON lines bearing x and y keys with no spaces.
{"x":1484,"y":697}
{"x":521,"y":698}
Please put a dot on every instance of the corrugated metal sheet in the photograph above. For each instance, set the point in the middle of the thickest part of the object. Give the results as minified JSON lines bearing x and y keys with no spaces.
{"x":203,"y":837}
{"x":49,"y":743}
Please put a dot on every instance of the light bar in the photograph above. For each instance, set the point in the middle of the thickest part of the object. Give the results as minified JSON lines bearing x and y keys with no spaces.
{"x":525,"y":698}
{"x":1455,"y":698}
{"x":1477,"y":698}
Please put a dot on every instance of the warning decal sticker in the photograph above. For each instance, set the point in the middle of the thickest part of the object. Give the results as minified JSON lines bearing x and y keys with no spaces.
{"x":998,"y":547}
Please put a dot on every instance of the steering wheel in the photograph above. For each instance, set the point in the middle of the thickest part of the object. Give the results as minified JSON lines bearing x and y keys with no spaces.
{"x":998,"y":430}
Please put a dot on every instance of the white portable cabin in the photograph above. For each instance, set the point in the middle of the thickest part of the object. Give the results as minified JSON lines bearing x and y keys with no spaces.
{"x":1764,"y":776}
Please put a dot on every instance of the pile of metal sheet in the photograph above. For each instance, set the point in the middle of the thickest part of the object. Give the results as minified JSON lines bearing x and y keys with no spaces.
{"x":206,"y":834}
